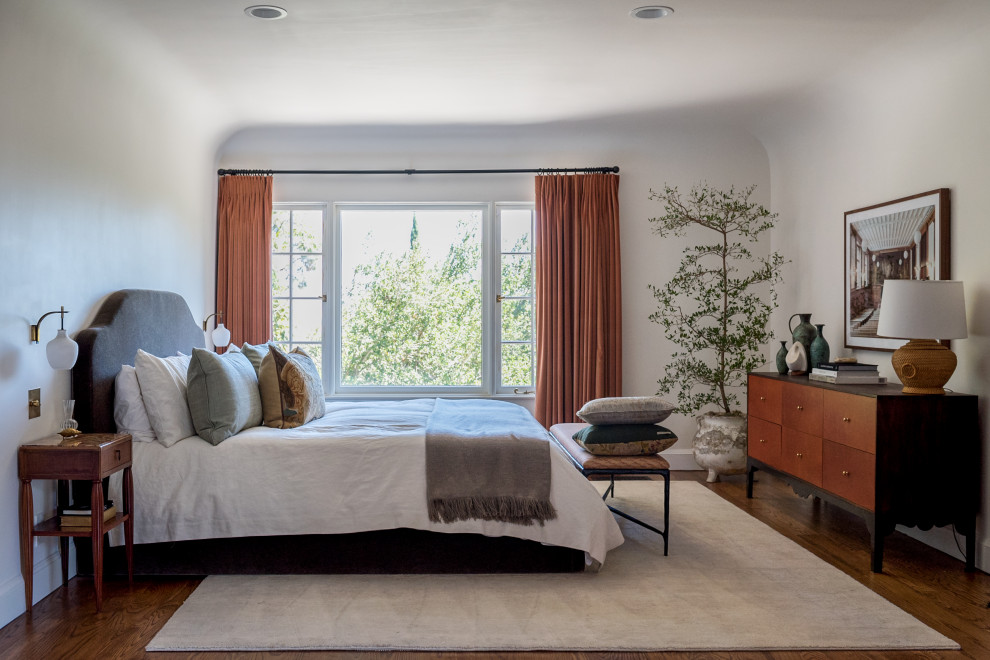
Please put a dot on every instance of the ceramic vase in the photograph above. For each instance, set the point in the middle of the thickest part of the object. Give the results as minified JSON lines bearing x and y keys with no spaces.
{"x":797,"y":358}
{"x":819,"y":348}
{"x":803,"y":332}
{"x":720,"y":444}
{"x":782,"y":358}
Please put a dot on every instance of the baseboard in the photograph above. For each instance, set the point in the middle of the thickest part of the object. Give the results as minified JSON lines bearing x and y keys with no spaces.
{"x":47,"y":578}
{"x":681,"y":459}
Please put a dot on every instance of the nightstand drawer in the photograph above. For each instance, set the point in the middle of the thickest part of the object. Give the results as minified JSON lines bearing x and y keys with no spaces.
{"x":764,"y":399}
{"x":115,"y":456}
{"x":801,"y":409}
{"x":849,"y":473}
{"x":801,"y":455}
{"x":764,"y":441}
{"x":851,"y":420}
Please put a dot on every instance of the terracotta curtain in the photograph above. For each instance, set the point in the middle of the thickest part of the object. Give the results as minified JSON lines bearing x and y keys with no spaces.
{"x":244,"y":256}
{"x":578,"y":294}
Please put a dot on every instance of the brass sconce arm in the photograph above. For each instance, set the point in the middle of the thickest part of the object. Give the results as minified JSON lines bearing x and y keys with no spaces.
{"x":36,"y":328}
{"x":219,"y":316}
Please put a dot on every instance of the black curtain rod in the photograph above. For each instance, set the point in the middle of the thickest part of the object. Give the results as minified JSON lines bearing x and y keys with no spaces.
{"x":543,"y":170}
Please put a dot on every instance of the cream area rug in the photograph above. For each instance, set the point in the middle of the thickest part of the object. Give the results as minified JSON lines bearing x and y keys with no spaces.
{"x":730,"y":583}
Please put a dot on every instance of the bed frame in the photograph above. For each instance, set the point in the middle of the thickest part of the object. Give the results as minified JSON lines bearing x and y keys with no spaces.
{"x":160,"y":323}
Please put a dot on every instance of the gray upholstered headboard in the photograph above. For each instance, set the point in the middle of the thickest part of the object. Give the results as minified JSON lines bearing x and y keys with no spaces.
{"x":158,"y":322}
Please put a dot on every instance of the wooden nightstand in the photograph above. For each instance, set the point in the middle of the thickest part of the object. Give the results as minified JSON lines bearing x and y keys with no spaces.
{"x":87,"y":457}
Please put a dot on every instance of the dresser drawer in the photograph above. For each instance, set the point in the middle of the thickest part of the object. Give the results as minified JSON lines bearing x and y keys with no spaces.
{"x":764,"y":441}
{"x":850,"y":420}
{"x":763,"y":400}
{"x":849,"y":473}
{"x":801,"y":408}
{"x":801,"y":455}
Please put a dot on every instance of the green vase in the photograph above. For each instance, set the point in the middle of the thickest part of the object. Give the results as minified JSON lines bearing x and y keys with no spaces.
{"x":803,"y":332}
{"x":782,"y":358}
{"x":819,"y":348}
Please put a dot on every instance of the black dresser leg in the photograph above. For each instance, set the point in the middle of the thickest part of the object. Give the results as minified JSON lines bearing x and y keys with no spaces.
{"x":749,"y":481}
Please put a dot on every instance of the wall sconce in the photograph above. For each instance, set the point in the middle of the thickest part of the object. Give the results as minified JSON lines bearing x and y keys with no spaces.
{"x":62,"y":351}
{"x":220,"y":335}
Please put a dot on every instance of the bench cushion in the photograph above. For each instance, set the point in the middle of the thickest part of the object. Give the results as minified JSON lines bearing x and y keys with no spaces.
{"x":588,"y":461}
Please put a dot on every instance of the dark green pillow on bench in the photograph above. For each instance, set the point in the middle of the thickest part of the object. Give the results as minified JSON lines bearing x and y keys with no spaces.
{"x":625,"y":439}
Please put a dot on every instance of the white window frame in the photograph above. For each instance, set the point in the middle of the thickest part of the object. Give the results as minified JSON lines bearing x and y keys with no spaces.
{"x":500,"y":388}
{"x":322,"y":208}
{"x":491,"y":330}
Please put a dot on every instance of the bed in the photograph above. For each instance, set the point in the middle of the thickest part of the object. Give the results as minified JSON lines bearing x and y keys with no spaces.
{"x":343,"y":493}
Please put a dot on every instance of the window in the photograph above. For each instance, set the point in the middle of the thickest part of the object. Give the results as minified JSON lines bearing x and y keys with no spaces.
{"x":297,"y":278}
{"x":425,"y":299}
{"x":516,"y":299}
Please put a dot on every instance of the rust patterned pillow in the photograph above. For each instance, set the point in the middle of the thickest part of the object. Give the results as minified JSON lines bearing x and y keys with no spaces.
{"x":291,"y":389}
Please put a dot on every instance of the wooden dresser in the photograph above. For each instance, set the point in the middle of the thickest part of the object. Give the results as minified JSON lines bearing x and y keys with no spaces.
{"x":893,"y":458}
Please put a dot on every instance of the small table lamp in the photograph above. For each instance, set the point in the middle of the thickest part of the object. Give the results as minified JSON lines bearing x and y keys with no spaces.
{"x":923,"y":311}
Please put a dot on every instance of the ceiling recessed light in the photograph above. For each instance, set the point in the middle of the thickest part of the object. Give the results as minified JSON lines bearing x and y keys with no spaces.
{"x":266,"y":12}
{"x":651,"y":11}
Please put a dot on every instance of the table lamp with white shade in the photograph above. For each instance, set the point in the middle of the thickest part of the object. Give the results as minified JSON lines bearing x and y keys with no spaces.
{"x":923,"y":311}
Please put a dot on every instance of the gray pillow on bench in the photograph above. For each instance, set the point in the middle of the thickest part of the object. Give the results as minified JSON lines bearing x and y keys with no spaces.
{"x":626,"y":410}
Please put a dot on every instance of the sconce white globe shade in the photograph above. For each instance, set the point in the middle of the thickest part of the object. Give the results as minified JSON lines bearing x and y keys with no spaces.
{"x":62,"y":351}
{"x":220,"y":336}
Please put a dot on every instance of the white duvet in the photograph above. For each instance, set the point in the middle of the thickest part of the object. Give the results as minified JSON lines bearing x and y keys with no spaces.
{"x":359,"y":468}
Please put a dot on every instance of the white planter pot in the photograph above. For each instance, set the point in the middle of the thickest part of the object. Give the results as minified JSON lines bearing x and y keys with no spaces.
{"x":720,"y":444}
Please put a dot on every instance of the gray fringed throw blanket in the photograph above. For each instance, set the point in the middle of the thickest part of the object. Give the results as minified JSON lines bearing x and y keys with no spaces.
{"x":488,"y":460}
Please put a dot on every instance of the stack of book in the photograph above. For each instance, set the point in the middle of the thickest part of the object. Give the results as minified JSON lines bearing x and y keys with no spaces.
{"x":81,"y":517}
{"x":847,"y":373}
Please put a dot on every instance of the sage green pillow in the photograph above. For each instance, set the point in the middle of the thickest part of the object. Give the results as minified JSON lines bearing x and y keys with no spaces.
{"x":625,"y":439}
{"x":255,"y":353}
{"x":223,"y":394}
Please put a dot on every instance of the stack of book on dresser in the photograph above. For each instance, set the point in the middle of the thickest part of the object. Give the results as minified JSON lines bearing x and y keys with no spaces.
{"x":847,"y":373}
{"x":80,"y":517}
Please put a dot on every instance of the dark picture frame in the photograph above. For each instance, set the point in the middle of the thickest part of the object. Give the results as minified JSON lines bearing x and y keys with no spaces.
{"x":907,"y":238}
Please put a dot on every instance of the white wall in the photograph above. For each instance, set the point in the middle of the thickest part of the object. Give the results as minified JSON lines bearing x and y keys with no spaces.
{"x":105,"y":183}
{"x":648,"y":153}
{"x":910,"y":119}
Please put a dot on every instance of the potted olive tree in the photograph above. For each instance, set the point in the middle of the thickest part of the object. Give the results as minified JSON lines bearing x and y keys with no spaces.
{"x":716,"y":309}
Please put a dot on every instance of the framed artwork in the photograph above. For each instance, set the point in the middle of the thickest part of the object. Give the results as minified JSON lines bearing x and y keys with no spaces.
{"x":906,"y":239}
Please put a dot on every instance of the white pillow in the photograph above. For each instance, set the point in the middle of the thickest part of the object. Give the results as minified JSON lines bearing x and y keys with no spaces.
{"x":128,"y":407}
{"x":163,"y":386}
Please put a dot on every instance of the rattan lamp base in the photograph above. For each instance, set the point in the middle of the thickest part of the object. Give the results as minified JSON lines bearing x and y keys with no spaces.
{"x":924,"y":366}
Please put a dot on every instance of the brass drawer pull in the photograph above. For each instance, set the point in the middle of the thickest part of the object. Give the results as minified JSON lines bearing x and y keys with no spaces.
{"x":800,"y":455}
{"x":845,"y":473}
{"x":800,"y":407}
{"x":762,"y":441}
{"x":763,"y":398}
{"x":846,"y":419}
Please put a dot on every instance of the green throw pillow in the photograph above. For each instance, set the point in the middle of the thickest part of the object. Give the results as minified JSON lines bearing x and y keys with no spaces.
{"x":625,"y":439}
{"x":223,"y":394}
{"x":255,"y":353}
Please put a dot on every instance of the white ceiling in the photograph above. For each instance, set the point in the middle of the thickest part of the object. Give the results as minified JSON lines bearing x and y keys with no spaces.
{"x":338,"y":62}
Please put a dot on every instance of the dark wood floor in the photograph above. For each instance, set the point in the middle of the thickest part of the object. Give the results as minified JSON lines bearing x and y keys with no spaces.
{"x":925,"y":582}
